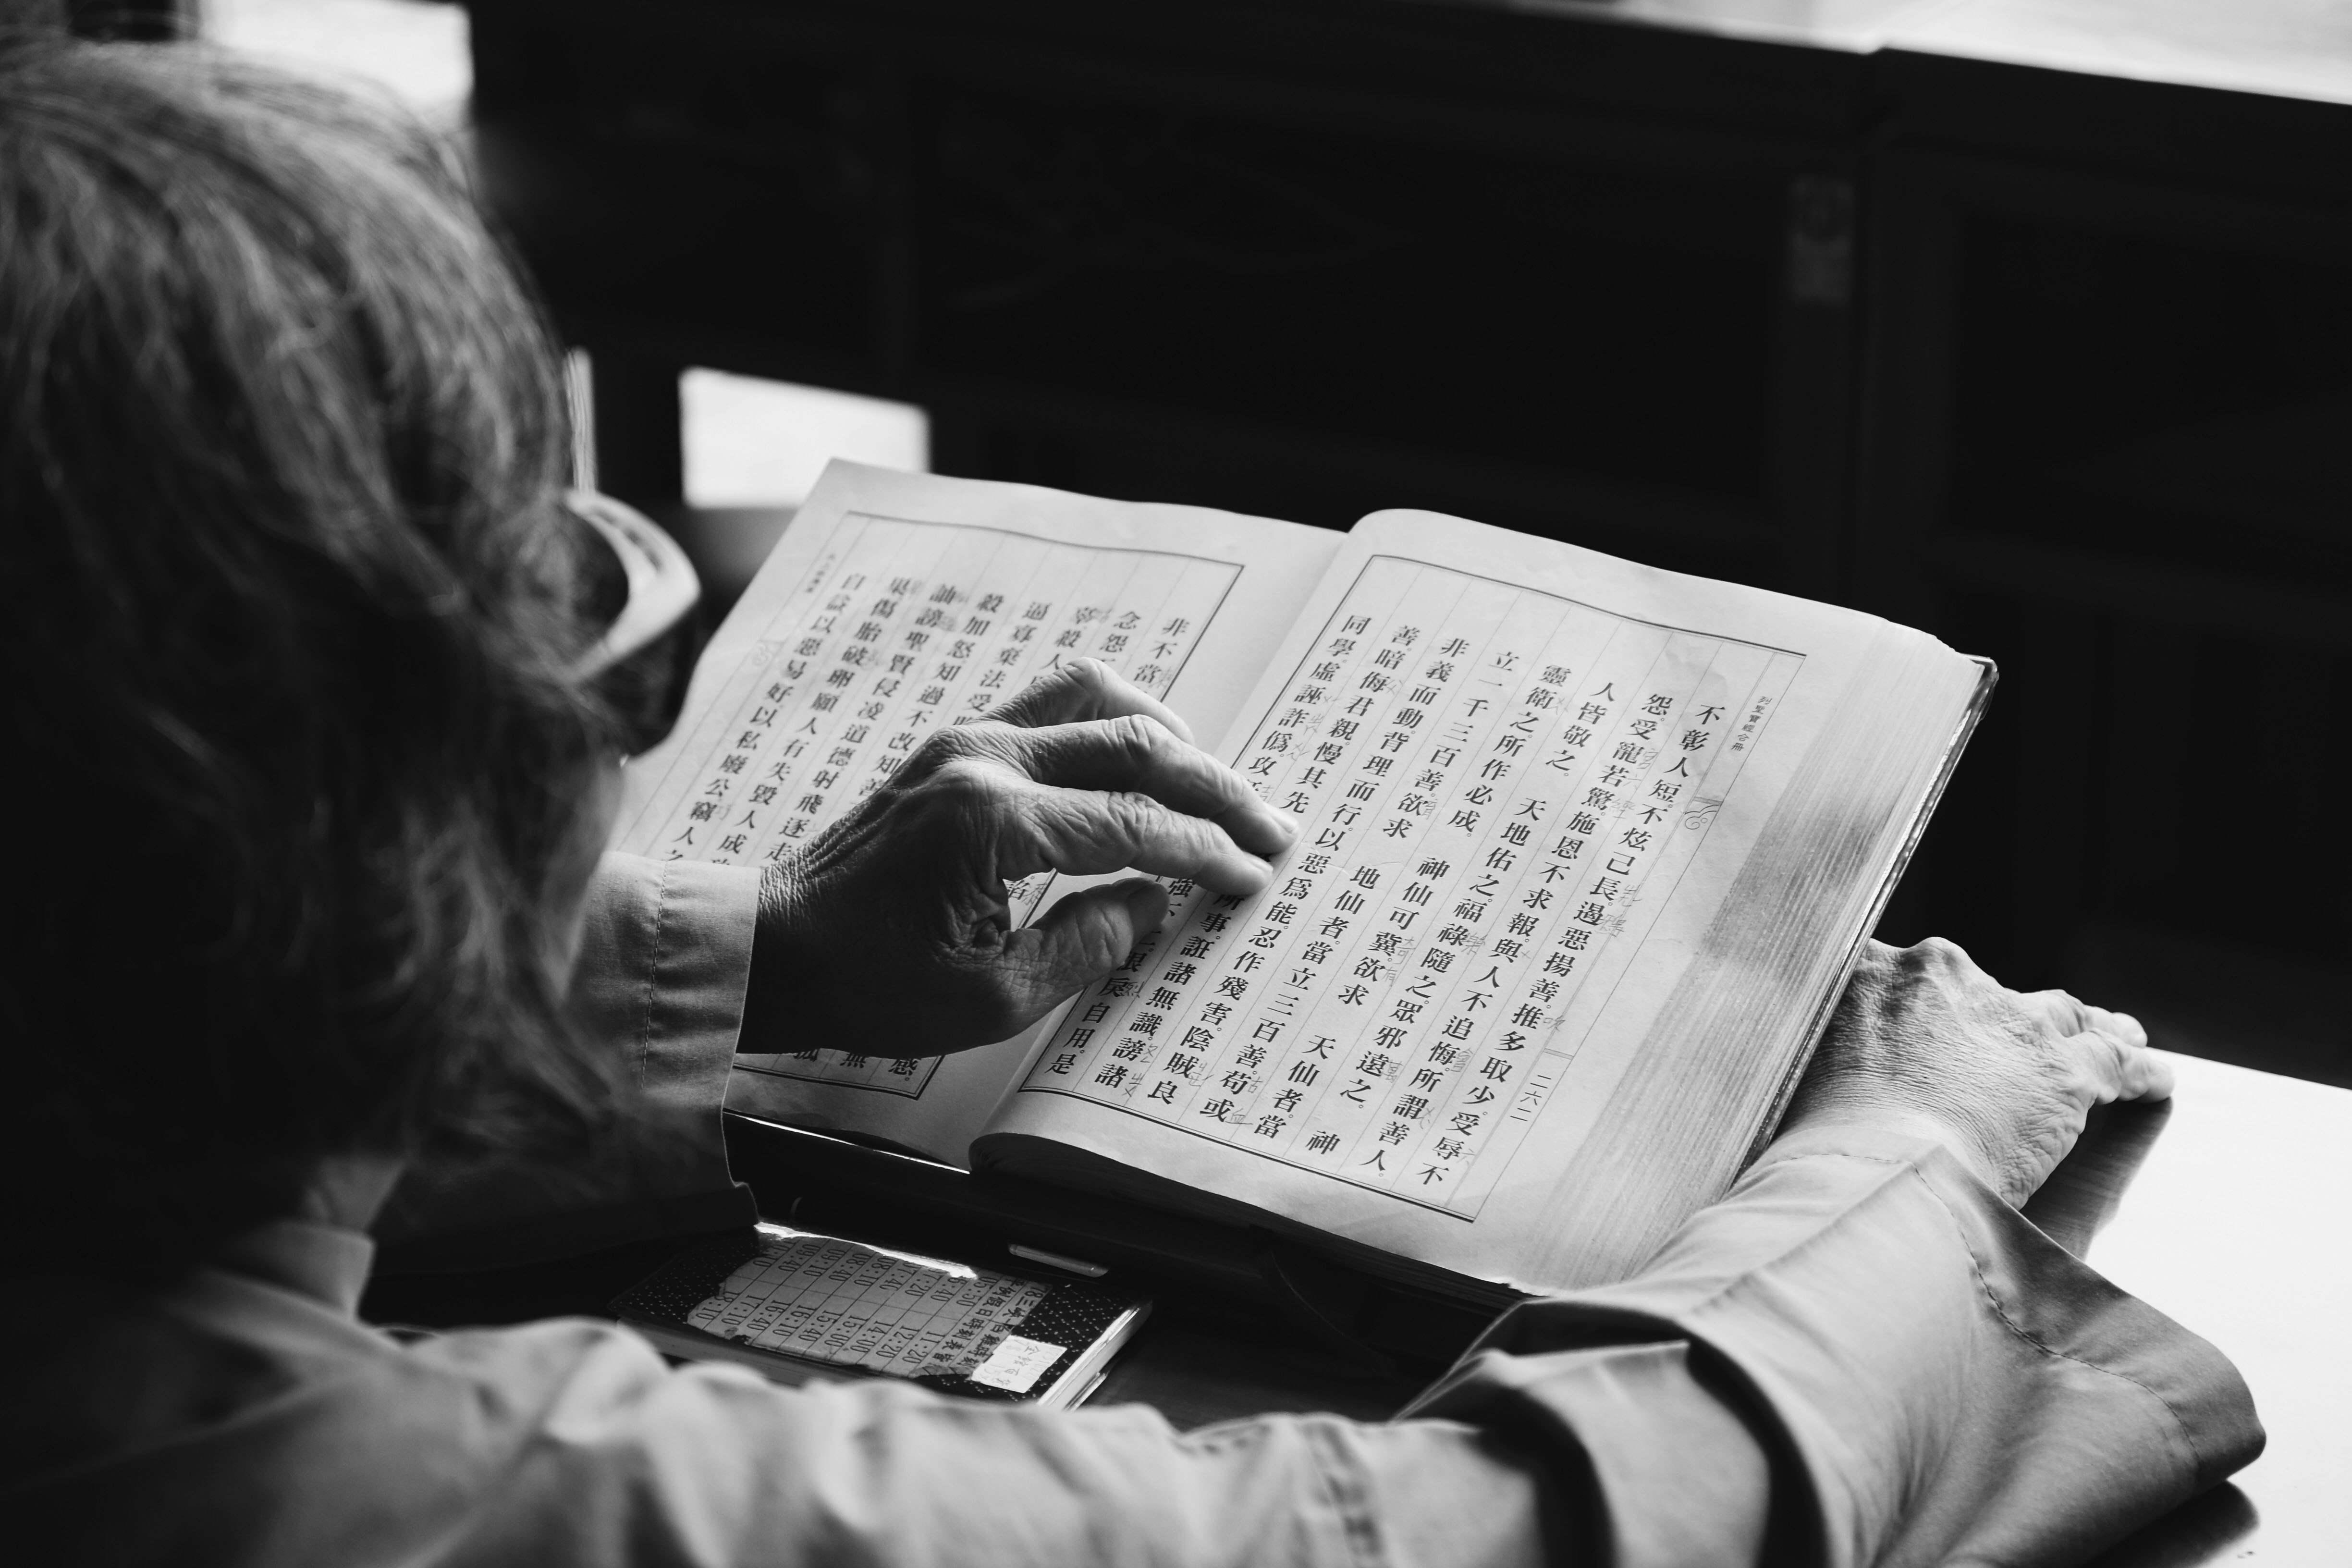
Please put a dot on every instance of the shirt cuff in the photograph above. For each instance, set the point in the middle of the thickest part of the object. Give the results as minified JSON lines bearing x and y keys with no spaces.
{"x":665,"y":965}
{"x":664,"y":960}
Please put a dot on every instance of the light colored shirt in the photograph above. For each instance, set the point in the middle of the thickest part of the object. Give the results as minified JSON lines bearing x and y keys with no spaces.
{"x":1861,"y":1355}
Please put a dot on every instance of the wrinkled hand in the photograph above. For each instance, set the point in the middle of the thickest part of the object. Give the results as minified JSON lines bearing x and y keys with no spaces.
{"x":889,"y":935}
{"x":1926,"y":1042}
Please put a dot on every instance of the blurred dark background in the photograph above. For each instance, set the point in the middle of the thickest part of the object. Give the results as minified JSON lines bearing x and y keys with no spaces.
{"x":2036,"y":333}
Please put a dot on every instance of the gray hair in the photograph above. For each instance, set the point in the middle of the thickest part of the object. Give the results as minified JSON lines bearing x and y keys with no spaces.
{"x":290,"y":609}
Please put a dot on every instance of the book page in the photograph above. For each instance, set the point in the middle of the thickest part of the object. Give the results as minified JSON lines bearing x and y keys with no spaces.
{"x":1527,"y":776}
{"x":899,"y":604}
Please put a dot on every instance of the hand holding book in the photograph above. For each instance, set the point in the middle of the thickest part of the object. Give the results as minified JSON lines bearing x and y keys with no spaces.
{"x":894,"y":922}
{"x":1926,"y":1042}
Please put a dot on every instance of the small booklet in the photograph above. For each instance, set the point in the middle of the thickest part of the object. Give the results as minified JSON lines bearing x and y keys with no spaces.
{"x":1587,"y":851}
{"x":797,"y":1306}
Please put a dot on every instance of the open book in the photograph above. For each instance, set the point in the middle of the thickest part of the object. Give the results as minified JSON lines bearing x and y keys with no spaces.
{"x":1587,"y":852}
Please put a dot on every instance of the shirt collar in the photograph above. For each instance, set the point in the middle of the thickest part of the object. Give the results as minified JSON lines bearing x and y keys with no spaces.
{"x":324,"y":1262}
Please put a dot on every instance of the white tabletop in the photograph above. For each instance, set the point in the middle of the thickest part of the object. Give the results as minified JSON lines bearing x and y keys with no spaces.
{"x":2238,"y":1225}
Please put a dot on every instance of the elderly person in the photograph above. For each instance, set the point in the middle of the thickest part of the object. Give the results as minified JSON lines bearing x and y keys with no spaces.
{"x":297,"y":628}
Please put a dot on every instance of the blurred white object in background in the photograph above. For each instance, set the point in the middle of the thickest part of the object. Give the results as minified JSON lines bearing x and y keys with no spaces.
{"x":763,"y":443}
{"x":416,"y":47}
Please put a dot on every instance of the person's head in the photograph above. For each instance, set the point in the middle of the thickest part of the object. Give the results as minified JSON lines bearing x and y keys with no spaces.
{"x":287,"y":610}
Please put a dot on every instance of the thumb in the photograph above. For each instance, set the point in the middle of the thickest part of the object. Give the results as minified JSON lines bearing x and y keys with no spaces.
{"x":1082,"y":939}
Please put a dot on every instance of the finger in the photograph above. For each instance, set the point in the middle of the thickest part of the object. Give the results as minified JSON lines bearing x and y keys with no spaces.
{"x":2122,"y":1026}
{"x":1137,"y":752}
{"x":2122,"y":1067}
{"x":2141,"y":1073}
{"x":2150,"y":1077}
{"x":1088,"y":831}
{"x":1081,"y":939}
{"x":2056,"y":1011}
{"x":1082,"y":690}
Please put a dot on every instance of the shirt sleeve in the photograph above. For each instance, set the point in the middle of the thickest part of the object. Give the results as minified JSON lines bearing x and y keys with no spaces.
{"x":1860,"y":1356}
{"x":614,"y":1460}
{"x":664,"y":960}
{"x":1930,"y":1377}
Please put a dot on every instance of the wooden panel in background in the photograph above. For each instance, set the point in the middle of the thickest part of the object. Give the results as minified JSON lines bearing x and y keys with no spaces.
{"x":2025,"y":323}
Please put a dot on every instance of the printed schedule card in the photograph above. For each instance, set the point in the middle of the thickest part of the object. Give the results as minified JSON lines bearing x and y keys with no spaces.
{"x":794,"y":1304}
